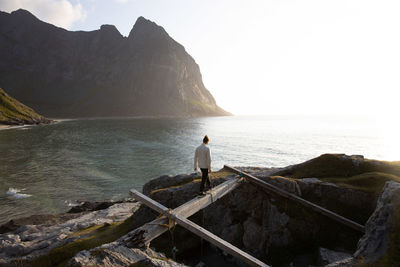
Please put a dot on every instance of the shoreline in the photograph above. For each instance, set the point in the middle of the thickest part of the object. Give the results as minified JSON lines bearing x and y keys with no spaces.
{"x":10,"y":127}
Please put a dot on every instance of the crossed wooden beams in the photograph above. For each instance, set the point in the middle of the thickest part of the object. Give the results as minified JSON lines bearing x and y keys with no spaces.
{"x":143,"y":235}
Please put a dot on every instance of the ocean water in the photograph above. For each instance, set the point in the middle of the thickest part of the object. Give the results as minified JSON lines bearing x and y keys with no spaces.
{"x":45,"y":169}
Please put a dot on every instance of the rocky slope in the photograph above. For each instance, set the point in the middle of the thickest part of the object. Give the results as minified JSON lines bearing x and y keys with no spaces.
{"x":269,"y":227}
{"x":100,"y":73}
{"x":12,"y":112}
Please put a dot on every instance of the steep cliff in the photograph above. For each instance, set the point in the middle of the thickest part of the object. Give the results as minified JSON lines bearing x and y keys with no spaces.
{"x":61,"y":73}
{"x":12,"y":112}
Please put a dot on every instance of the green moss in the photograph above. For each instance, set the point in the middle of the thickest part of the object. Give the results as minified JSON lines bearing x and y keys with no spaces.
{"x":93,"y":237}
{"x":370,"y":182}
{"x":12,"y":110}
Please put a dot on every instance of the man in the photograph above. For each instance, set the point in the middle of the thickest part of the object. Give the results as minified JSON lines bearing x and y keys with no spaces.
{"x":202,"y":159}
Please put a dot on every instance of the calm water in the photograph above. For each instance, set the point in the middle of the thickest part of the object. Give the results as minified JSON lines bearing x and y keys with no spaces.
{"x":99,"y":159}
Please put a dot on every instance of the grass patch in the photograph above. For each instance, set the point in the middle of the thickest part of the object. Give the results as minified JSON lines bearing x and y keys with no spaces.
{"x":370,"y":182}
{"x":94,"y":237}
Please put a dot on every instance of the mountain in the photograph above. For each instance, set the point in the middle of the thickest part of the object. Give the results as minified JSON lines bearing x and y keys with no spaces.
{"x":99,"y":73}
{"x":12,"y":112}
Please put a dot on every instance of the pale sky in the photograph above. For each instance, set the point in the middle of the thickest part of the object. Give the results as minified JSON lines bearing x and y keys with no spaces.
{"x":267,"y":57}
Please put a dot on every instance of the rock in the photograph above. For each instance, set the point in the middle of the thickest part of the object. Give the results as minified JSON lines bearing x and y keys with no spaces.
{"x":348,"y":262}
{"x":31,"y":241}
{"x":336,"y":165}
{"x":252,"y":236}
{"x":120,"y":256}
{"x":233,"y":234}
{"x":167,"y":181}
{"x":327,"y":256}
{"x":92,"y":206}
{"x":277,"y":233}
{"x":341,"y":200}
{"x":374,"y":244}
{"x":45,"y":220}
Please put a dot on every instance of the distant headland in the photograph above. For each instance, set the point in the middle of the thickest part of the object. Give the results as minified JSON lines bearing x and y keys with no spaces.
{"x":100,"y":73}
{"x":13,"y":112}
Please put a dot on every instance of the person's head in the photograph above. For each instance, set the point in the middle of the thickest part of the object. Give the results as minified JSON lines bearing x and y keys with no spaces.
{"x":206,"y":140}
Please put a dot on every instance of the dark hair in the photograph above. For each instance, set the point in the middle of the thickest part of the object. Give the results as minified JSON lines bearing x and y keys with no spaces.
{"x":206,"y":139}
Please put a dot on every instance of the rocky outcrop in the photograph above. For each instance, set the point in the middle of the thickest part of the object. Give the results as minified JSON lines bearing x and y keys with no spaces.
{"x":120,"y":256}
{"x":12,"y":112}
{"x":275,"y":230}
{"x":30,"y":241}
{"x":100,"y":73}
{"x":337,"y":165}
{"x":380,"y":227}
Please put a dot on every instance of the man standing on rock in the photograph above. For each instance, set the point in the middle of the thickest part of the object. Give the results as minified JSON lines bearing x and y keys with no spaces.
{"x":202,"y":159}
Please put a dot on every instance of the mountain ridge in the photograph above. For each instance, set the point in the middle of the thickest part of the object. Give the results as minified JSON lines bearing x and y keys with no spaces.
{"x":100,"y":73}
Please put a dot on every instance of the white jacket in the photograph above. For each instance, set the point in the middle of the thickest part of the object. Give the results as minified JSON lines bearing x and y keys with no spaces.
{"x":202,"y":157}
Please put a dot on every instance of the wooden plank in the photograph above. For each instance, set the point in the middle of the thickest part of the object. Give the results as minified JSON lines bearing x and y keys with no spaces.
{"x":222,"y":244}
{"x":276,"y":190}
{"x":152,"y":230}
{"x":149,"y":202}
{"x":217,"y":241}
{"x":191,"y":207}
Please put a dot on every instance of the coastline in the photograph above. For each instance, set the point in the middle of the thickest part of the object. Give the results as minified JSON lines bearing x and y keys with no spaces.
{"x":9,"y":127}
{"x":101,"y":231}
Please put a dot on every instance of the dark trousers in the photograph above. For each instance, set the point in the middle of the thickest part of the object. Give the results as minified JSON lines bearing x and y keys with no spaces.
{"x":204,"y":179}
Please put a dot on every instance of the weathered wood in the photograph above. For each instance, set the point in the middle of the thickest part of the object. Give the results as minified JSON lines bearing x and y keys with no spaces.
{"x":217,"y":241}
{"x":159,"y":226}
{"x":191,"y":207}
{"x":149,"y":202}
{"x":222,"y":244}
{"x":276,"y":190}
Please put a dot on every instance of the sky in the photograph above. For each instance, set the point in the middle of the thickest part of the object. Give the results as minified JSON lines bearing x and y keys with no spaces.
{"x":319,"y":57}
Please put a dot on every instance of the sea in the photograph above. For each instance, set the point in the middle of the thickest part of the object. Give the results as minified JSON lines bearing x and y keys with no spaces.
{"x":48,"y":168}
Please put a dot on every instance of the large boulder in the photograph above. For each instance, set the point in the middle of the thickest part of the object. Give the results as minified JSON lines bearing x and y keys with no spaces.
{"x":381,"y":226}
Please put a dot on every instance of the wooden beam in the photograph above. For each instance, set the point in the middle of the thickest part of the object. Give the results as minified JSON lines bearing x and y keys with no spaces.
{"x":152,"y":230}
{"x":194,"y":228}
{"x":276,"y":190}
{"x":149,"y":202}
{"x":191,"y":207}
{"x":217,"y":241}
